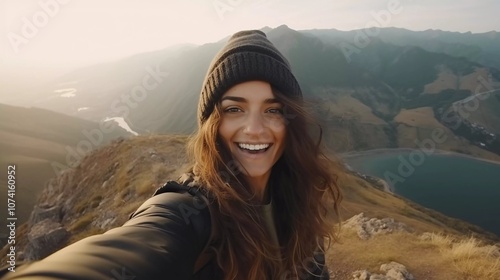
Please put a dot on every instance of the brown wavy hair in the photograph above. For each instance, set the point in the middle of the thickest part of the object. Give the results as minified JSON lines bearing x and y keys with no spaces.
{"x":303,"y":187}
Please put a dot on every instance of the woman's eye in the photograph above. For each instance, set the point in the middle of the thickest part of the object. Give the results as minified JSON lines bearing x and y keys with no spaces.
{"x":232,"y":110}
{"x":275,"y":111}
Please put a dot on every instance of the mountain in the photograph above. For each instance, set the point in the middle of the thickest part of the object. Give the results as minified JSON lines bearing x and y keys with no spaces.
{"x":367,"y":96}
{"x":41,"y":143}
{"x":478,"y":47}
{"x":113,"y":181}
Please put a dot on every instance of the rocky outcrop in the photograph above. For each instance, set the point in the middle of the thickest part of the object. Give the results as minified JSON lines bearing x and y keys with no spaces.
{"x":367,"y":227}
{"x":44,"y":238}
{"x":392,"y":270}
{"x":46,"y":234}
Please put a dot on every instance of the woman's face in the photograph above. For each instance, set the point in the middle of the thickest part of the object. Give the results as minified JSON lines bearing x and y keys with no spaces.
{"x":253,"y":128}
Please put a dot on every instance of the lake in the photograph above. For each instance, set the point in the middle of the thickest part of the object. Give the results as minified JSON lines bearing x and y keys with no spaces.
{"x":456,"y":185}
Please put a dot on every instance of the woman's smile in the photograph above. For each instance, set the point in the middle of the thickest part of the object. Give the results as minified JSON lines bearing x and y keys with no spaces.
{"x":254,"y":148}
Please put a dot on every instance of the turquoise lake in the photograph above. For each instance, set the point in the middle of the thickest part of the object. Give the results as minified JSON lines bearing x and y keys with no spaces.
{"x":458,"y":186}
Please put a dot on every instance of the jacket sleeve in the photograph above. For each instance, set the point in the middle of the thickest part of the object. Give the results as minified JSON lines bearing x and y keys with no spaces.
{"x":317,"y":268}
{"x":320,"y":269}
{"x":162,"y":240}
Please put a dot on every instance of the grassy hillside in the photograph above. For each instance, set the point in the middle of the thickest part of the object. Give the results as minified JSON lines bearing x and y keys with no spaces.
{"x":430,"y":256}
{"x":40,"y":143}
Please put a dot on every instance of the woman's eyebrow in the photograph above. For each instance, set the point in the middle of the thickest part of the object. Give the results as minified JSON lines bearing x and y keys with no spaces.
{"x":241,"y":99}
{"x":234,"y":98}
{"x":271,"y":101}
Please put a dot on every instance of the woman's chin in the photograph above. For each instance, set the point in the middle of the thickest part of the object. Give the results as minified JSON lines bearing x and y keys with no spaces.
{"x":256,"y":174}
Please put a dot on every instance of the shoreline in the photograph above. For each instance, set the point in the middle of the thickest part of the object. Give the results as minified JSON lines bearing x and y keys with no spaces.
{"x":389,"y":151}
{"x":431,"y":190}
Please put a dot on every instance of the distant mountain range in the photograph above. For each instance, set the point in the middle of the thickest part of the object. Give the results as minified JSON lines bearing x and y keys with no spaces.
{"x":397,"y":89}
{"x":369,"y":91}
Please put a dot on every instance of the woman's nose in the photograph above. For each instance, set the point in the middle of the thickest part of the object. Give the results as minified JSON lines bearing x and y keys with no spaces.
{"x":254,"y":124}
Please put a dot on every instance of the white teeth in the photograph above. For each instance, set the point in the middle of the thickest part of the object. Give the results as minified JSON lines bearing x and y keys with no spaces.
{"x":253,"y":147}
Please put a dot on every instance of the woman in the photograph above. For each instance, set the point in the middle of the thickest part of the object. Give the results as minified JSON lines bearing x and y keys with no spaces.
{"x":255,"y":204}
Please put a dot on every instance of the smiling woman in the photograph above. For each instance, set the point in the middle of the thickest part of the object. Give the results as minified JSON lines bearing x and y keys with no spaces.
{"x":255,"y":156}
{"x":256,"y":202}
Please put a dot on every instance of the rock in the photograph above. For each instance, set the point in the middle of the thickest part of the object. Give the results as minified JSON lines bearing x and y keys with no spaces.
{"x":131,"y":166}
{"x":56,"y":185}
{"x":396,"y":275}
{"x":361,"y":275}
{"x":367,"y":227}
{"x":44,"y":238}
{"x":43,"y":212}
{"x":426,"y":236}
{"x":396,"y":271}
{"x":105,"y":220}
{"x":392,"y":270}
{"x":379,"y":277}
{"x":151,"y":151}
{"x":83,"y":183}
{"x":108,"y":182}
{"x":105,"y":224}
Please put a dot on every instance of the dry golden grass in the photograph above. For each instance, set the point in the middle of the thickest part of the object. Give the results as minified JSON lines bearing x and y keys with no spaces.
{"x":421,"y":117}
{"x":436,"y":257}
{"x":348,"y":107}
{"x":469,"y":256}
{"x":424,"y":262}
{"x":447,"y":80}
{"x":473,"y":81}
{"x":82,"y":223}
{"x":439,"y":240}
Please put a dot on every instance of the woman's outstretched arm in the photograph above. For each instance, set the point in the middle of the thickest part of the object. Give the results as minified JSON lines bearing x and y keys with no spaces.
{"x":162,"y":240}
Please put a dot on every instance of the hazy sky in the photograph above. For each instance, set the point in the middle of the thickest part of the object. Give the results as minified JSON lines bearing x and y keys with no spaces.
{"x":66,"y":32}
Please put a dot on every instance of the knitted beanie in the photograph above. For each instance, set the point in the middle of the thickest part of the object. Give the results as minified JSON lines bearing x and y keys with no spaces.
{"x":247,"y":56}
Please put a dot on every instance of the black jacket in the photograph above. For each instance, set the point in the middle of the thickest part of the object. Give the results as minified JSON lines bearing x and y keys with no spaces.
{"x":162,"y":240}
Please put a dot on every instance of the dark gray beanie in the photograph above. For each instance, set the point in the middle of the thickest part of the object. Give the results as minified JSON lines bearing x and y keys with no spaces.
{"x":247,"y":56}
